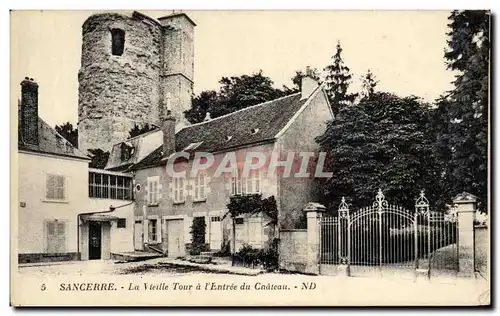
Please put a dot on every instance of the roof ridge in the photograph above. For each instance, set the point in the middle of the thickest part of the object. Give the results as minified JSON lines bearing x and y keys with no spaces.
{"x":67,"y":142}
{"x":240,"y":110}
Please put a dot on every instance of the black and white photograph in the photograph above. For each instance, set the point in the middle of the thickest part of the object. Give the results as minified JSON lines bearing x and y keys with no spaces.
{"x":250,"y":158}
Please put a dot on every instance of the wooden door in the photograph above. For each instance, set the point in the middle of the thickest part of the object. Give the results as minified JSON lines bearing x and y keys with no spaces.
{"x":175,"y":237}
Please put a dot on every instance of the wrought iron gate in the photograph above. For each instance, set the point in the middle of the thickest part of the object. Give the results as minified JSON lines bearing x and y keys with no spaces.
{"x":385,"y":237}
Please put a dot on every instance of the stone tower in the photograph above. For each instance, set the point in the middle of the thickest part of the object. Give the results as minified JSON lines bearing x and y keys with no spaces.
{"x":133,"y":68}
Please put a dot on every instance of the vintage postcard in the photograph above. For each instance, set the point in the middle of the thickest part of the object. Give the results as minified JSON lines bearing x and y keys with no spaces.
{"x":250,"y":158}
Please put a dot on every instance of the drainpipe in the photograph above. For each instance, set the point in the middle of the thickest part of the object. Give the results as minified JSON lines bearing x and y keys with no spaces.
{"x":111,"y":209}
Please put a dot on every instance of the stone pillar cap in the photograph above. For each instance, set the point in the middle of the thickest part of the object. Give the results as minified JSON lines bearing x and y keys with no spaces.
{"x":314,"y":207}
{"x":465,"y":197}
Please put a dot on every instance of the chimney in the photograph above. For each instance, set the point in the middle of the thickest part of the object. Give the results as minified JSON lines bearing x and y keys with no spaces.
{"x":168,"y":129}
{"x":29,"y":111}
{"x":308,"y":84}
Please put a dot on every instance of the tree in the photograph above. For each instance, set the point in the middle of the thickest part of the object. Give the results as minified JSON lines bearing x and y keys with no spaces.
{"x":136,"y":130}
{"x":465,"y":111}
{"x":71,"y":135}
{"x":368,"y":84}
{"x":235,"y":93}
{"x":338,"y":79}
{"x":383,"y":142}
{"x":204,"y":102}
{"x":99,"y":158}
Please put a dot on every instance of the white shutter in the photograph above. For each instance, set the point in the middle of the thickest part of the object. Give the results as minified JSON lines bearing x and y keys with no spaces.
{"x":188,"y":222}
{"x":171,"y":188}
{"x":155,"y":192}
{"x":182,"y":190}
{"x":159,"y":228}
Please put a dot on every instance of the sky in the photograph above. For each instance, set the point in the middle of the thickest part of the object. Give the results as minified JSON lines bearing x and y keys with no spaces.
{"x":404,"y":49}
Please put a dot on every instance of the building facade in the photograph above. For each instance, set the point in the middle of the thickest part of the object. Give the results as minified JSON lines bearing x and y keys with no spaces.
{"x":66,"y":210}
{"x":167,"y":207}
{"x":52,"y":186}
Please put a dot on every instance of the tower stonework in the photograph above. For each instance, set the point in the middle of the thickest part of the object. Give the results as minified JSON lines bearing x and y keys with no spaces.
{"x":132,"y":68}
{"x":178,"y":65}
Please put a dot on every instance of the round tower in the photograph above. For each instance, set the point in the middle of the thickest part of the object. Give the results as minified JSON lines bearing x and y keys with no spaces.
{"x":119,"y":79}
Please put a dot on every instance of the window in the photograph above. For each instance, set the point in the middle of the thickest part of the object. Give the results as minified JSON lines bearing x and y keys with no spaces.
{"x":178,"y":189}
{"x":56,"y":189}
{"x":236,"y":185}
{"x":106,"y":186}
{"x":200,"y":190}
{"x":239,"y":221}
{"x":253,"y":182}
{"x":117,"y":41}
{"x":56,"y":236}
{"x":126,"y":151}
{"x":153,"y":190}
{"x":248,"y":185}
{"x":122,"y":223}
{"x":153,"y":230}
{"x":215,"y":219}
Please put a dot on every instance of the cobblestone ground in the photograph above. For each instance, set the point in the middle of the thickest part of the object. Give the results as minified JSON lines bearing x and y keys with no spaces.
{"x":108,"y":267}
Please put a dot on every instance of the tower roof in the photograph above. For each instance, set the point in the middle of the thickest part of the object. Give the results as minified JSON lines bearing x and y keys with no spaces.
{"x":176,"y":14}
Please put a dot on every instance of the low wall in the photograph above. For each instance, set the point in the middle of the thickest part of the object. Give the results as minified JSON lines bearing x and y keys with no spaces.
{"x":293,"y":250}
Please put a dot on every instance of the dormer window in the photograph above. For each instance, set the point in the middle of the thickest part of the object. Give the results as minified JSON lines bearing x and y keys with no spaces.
{"x":255,"y":130}
{"x":117,"y":41}
{"x":127,"y":151}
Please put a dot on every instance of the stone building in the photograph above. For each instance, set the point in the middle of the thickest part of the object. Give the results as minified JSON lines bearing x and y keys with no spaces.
{"x":133,"y":67}
{"x":166,"y":207}
{"x":66,"y":210}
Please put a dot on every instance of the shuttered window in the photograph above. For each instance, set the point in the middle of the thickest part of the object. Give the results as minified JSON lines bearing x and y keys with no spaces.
{"x":153,"y":190}
{"x":56,"y":187}
{"x":56,"y":236}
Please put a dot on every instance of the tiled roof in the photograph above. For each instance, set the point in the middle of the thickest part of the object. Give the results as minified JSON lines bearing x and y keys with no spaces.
{"x":251,"y":125}
{"x":50,"y":142}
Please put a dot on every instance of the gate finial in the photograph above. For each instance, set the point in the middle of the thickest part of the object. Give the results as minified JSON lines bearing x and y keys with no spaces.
{"x":343,"y":208}
{"x":380,"y":201}
{"x":422,"y":204}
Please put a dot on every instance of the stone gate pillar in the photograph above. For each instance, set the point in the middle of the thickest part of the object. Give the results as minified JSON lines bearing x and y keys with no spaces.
{"x":314,"y":211}
{"x":466,"y":209}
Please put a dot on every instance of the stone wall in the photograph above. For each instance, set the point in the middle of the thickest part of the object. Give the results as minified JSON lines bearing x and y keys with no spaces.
{"x":293,"y":250}
{"x":118,"y":92}
{"x":117,"y":89}
{"x":295,"y":192}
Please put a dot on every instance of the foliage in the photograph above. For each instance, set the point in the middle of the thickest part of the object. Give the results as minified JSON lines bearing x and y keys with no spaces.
{"x":198,"y":230}
{"x":136,"y":130}
{"x":462,"y":114}
{"x":368,"y":84}
{"x":99,"y":158}
{"x":252,"y":257}
{"x":383,"y":142}
{"x":225,"y":250}
{"x":251,"y":204}
{"x":67,"y":131}
{"x":338,"y":78}
{"x":235,"y":93}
